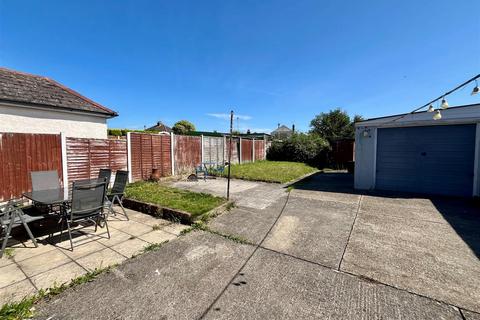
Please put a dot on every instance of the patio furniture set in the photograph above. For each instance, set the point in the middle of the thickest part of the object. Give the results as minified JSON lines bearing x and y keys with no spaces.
{"x":86,"y":201}
{"x":206,"y":169}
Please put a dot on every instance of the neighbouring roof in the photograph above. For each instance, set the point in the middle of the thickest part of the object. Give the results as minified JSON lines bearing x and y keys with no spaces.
{"x":28,"y":89}
{"x":160,"y":126}
{"x":282,"y":128}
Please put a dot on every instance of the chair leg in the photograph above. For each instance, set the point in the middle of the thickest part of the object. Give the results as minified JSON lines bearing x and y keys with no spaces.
{"x":70,"y":234}
{"x":5,"y":239}
{"x":62,"y":226}
{"x":106,"y":225}
{"x":25,"y":225}
{"x":121,"y":206}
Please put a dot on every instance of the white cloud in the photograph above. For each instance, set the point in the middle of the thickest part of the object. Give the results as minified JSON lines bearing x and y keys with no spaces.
{"x":227,"y":116}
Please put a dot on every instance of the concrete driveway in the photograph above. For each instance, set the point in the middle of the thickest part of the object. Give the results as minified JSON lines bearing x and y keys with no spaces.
{"x":322,"y":252}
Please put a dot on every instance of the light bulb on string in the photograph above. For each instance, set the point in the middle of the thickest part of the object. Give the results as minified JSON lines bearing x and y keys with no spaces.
{"x":444,"y":104}
{"x":476,"y":89}
{"x":430,"y":108}
{"x":437,"y":115}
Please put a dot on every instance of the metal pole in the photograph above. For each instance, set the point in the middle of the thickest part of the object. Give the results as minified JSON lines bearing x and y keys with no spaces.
{"x":230,"y":155}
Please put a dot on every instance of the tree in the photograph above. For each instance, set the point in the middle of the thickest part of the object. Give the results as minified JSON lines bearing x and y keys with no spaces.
{"x":333,"y":125}
{"x":300,"y":147}
{"x":183,"y":126}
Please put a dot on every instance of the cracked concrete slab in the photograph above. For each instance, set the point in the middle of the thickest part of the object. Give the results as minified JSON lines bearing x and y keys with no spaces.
{"x":313,"y":230}
{"x":275,"y":286}
{"x":178,"y":281}
{"x":428,"y":258}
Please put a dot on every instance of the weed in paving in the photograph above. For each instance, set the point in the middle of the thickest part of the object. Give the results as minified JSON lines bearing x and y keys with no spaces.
{"x":25,"y":308}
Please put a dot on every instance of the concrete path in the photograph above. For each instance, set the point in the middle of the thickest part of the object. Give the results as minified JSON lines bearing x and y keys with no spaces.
{"x":250,"y":194}
{"x":313,"y":254}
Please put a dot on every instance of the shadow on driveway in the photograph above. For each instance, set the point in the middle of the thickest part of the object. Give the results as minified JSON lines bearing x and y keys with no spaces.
{"x":462,"y":214}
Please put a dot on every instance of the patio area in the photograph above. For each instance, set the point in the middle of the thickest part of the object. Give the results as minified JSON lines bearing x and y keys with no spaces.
{"x":25,"y":269}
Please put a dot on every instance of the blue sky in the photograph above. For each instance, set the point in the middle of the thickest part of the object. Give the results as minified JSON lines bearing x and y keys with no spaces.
{"x":272,"y":61}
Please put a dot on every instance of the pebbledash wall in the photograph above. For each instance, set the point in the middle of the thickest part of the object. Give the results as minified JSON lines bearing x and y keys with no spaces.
{"x":80,"y":158}
{"x":71,"y":123}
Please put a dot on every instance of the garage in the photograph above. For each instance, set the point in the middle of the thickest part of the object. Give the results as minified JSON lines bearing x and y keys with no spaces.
{"x":430,"y":160}
{"x":416,"y":154}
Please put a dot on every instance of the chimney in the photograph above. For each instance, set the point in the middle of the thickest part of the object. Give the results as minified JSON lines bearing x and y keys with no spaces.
{"x":278,"y":125}
{"x":293,"y":128}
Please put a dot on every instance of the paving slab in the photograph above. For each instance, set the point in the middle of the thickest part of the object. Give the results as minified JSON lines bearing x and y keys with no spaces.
{"x":248,"y":223}
{"x":130,"y":247}
{"x":43,"y":262}
{"x":157,"y":236}
{"x":313,"y":230}
{"x":424,"y":257}
{"x":57,"y":276}
{"x":179,"y":281}
{"x":16,"y":291}
{"x":10,"y":274}
{"x":275,"y":286}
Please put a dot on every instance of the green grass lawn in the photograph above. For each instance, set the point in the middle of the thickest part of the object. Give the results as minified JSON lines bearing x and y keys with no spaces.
{"x":192,"y":202}
{"x":270,"y":171}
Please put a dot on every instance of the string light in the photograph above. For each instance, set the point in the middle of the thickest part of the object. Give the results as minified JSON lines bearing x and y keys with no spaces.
{"x":437,"y":115}
{"x":476,"y":89}
{"x":444,"y":104}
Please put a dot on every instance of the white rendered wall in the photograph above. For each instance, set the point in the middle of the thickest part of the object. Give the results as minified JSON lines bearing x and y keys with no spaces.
{"x":30,"y":120}
{"x":365,"y":158}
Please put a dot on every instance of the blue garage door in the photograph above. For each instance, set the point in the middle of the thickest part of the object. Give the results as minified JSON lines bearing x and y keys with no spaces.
{"x":433,"y":160}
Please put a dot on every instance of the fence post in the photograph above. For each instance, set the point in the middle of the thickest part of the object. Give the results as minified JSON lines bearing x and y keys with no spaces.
{"x":63,"y":143}
{"x":202,"y":156}
{"x":225,"y":156}
{"x":264,"y":147}
{"x":172,"y":156}
{"x":240,"y":155}
{"x":253,"y":150}
{"x":129,"y":157}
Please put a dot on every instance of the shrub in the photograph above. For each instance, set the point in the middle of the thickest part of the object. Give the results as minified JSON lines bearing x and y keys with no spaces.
{"x":310,"y":149}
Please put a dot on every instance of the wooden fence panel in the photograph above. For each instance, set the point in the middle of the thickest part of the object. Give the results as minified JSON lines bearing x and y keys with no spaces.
{"x":343,"y":151}
{"x":21,"y":153}
{"x":259,"y":150}
{"x":85,"y":157}
{"x":213,"y":150}
{"x":235,"y":150}
{"x":247,"y":150}
{"x":150,"y":151}
{"x":188,"y":153}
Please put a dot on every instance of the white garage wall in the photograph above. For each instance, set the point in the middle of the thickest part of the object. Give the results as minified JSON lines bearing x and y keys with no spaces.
{"x":365,"y":158}
{"x":31,"y":120}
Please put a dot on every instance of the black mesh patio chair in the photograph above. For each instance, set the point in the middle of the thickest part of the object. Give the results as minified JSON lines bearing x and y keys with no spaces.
{"x":12,"y":216}
{"x":45,"y":180}
{"x":105,"y":174}
{"x":116,"y":194}
{"x":88,"y":199}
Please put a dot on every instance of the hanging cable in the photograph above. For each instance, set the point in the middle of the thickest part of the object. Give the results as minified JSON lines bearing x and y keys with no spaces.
{"x":444,"y":104}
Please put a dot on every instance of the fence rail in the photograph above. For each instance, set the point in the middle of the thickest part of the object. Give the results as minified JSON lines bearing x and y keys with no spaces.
{"x":79,"y":158}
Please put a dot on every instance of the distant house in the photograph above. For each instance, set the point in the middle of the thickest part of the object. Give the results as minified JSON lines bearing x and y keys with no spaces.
{"x":160,"y":126}
{"x":36,"y":104}
{"x":282,"y":132}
